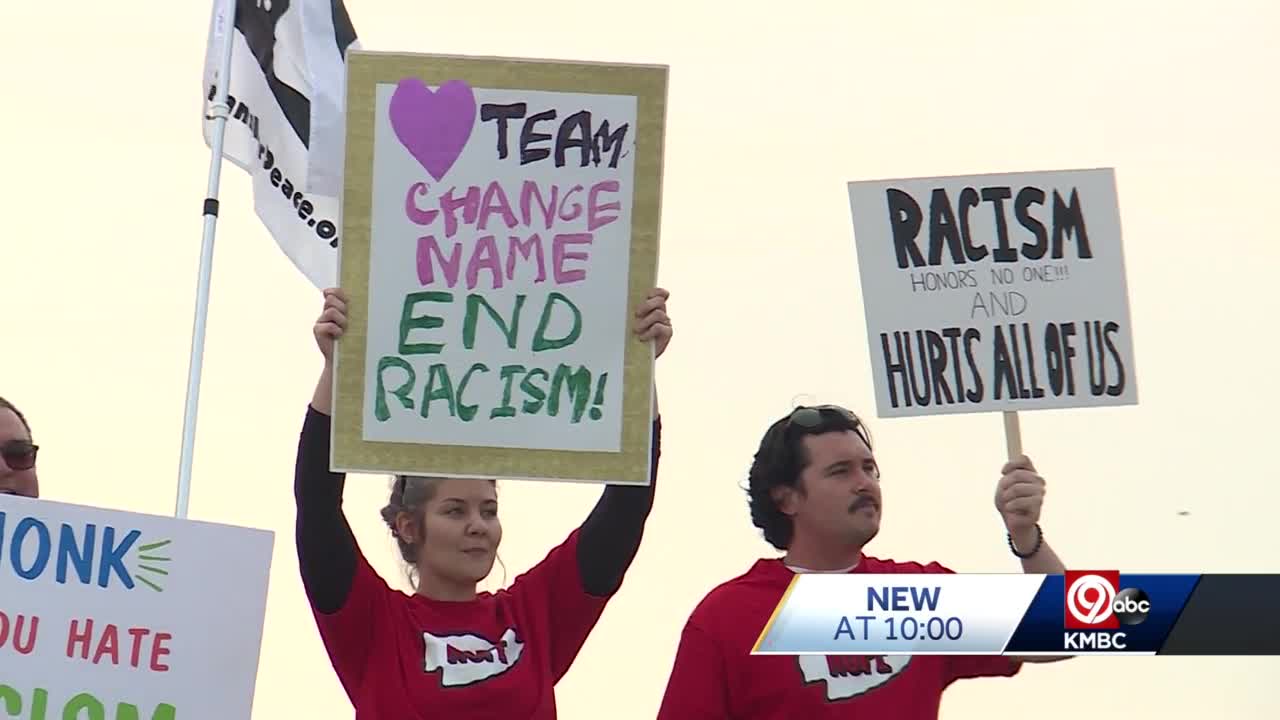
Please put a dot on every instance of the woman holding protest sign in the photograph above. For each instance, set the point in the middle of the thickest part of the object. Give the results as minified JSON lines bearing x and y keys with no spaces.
{"x":449,"y":651}
{"x":17,"y":454}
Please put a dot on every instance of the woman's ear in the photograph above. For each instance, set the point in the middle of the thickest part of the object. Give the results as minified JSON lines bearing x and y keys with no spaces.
{"x":406,"y":528}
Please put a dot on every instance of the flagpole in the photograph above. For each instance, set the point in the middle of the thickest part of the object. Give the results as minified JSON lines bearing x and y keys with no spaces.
{"x":219,"y":112}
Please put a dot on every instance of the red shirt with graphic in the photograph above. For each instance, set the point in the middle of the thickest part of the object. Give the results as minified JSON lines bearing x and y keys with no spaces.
{"x":715,"y":675}
{"x":500,"y":655}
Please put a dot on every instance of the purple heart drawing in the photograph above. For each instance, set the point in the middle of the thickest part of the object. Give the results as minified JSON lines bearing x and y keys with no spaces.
{"x":433,"y":126}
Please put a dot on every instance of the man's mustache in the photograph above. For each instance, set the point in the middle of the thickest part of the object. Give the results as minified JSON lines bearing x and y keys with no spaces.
{"x":863,"y":501}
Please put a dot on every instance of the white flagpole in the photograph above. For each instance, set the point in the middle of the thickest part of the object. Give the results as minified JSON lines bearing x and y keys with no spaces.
{"x":219,"y":113}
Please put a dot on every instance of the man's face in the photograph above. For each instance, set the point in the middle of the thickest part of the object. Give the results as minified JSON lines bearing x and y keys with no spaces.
{"x":840,"y":499}
{"x":17,"y":457}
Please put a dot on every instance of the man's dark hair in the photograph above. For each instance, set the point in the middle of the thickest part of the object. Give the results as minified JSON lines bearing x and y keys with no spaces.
{"x":782,"y":457}
{"x":6,"y":405}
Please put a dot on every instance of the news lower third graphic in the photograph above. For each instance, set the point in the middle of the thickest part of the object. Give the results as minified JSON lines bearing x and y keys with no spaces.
{"x":1097,"y":612}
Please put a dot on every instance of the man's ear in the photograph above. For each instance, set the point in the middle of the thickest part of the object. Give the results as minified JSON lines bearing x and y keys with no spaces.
{"x":785,"y":497}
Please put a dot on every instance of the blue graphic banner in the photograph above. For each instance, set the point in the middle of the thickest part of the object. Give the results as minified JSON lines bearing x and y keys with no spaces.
{"x":1092,"y":612}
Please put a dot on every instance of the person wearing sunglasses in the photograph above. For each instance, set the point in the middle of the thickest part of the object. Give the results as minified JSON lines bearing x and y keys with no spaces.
{"x":814,"y":492}
{"x":17,"y":454}
{"x":449,"y":651}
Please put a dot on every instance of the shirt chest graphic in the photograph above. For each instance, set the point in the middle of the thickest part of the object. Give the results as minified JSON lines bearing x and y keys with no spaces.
{"x":465,"y":659}
{"x":848,"y":676}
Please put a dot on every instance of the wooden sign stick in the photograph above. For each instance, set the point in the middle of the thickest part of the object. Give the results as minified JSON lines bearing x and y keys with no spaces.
{"x":1012,"y":434}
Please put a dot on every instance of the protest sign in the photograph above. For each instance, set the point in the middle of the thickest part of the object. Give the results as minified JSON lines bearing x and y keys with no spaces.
{"x":113,"y":615}
{"x":994,"y":292}
{"x":500,"y":223}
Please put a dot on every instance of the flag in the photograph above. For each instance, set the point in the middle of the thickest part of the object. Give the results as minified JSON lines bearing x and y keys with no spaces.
{"x":286,"y":92}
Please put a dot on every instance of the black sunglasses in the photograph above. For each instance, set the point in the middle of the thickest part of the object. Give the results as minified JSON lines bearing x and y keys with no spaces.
{"x":19,"y":454}
{"x":809,"y":416}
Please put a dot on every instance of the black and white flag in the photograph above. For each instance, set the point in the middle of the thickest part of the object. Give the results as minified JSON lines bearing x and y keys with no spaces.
{"x":287,"y":95}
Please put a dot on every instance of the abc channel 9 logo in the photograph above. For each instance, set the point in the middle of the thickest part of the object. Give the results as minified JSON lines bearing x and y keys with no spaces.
{"x":1095,"y":601}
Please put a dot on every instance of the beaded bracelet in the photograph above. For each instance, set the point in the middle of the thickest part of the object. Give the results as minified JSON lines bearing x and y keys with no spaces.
{"x":1034,"y":549}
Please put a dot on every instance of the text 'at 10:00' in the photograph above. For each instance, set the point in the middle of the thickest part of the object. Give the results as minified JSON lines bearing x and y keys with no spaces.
{"x":899,"y":624}
{"x":893,"y":628}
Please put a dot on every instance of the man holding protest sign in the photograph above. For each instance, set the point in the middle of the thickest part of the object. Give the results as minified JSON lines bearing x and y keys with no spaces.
{"x":447,"y":650}
{"x":814,"y":491}
{"x":984,"y":293}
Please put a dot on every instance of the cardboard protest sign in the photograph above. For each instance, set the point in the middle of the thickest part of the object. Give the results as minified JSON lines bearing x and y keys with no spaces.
{"x":994,"y":292}
{"x":500,"y":223}
{"x":109,"y":614}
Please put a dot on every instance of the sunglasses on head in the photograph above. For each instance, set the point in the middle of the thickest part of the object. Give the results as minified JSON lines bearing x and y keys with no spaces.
{"x":811,"y":415}
{"x":19,"y":454}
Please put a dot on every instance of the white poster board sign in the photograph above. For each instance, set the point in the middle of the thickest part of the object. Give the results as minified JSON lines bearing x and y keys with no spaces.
{"x":999,"y":292}
{"x":496,"y":296}
{"x":500,"y":226}
{"x":106,"y":613}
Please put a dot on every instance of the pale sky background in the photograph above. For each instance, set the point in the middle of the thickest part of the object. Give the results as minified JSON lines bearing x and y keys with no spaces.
{"x":105,"y":169}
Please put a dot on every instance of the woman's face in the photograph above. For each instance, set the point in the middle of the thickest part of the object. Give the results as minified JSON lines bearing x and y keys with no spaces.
{"x":17,"y":457}
{"x":460,"y":532}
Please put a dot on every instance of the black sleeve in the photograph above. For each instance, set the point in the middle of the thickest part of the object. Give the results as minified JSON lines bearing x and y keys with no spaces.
{"x":611,"y":534}
{"x":326,"y":546}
